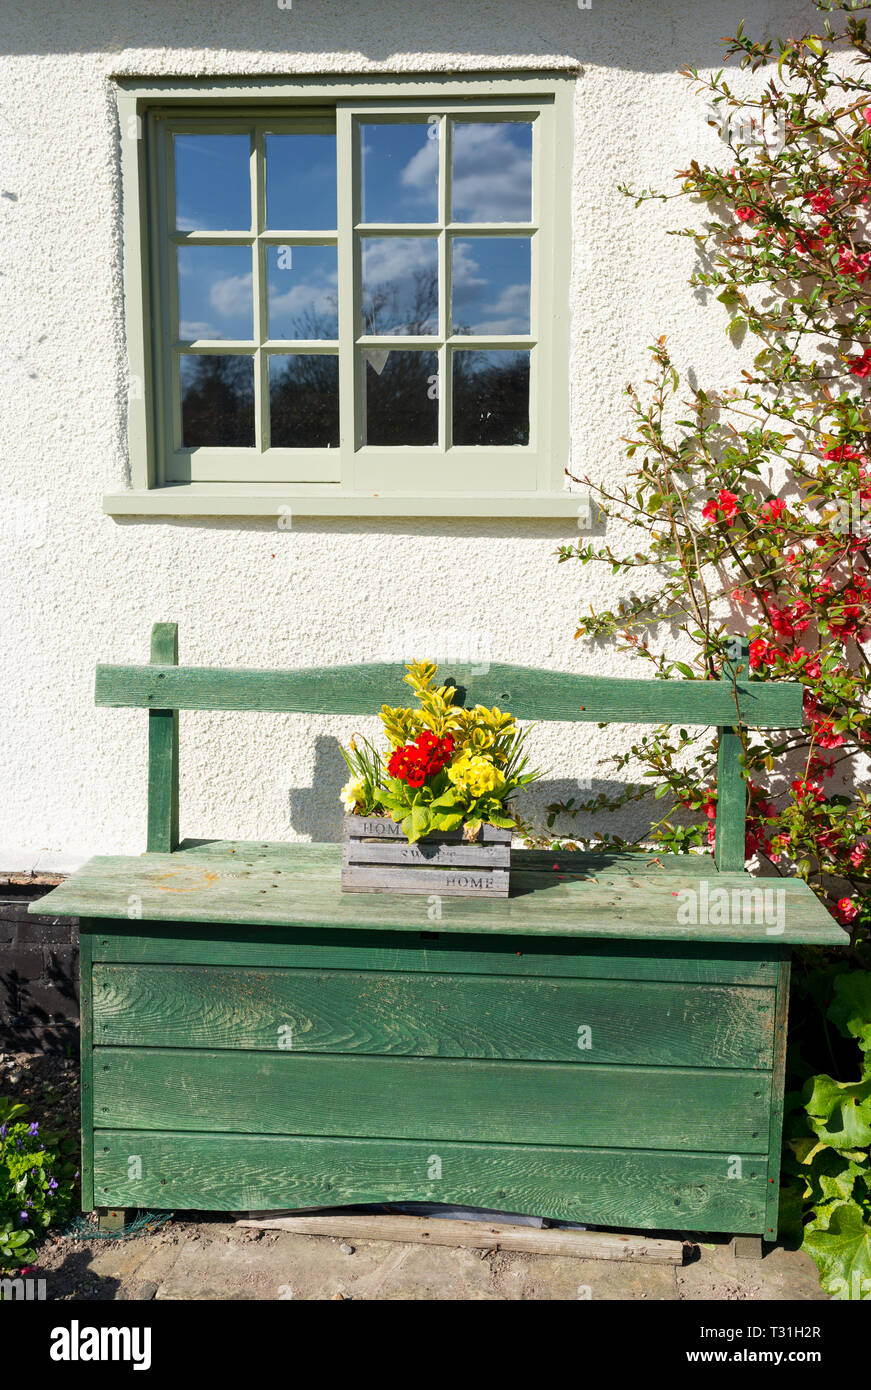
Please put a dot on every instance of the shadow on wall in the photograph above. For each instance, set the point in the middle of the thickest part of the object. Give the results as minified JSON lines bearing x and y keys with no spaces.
{"x":38,"y":975}
{"x":316,"y":811}
{"x":659,"y":38}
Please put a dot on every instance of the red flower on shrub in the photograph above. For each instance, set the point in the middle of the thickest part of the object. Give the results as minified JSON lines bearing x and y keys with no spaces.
{"x":725,"y":503}
{"x":851,"y":264}
{"x":861,"y":366}
{"x":772,"y":510}
{"x":842,"y":453}
{"x":821,"y":201}
{"x":807,"y":790}
{"x":762,"y":653}
{"x":846,"y":910}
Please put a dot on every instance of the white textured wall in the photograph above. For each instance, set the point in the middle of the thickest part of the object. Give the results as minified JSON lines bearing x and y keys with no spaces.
{"x":76,"y":585}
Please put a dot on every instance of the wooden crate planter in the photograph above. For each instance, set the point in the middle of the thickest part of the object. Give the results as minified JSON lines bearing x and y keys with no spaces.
{"x":257,"y":1038}
{"x":377,"y":858}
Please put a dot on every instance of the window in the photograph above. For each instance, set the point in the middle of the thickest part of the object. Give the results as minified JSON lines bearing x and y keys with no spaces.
{"x":348,"y":303}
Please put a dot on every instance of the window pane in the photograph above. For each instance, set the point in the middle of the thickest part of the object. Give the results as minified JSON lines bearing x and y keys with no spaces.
{"x":492,"y":171}
{"x":212,"y":183}
{"x":304,"y":401}
{"x":301,"y":182}
{"x":217,"y":400}
{"x":400,"y":285}
{"x":303,"y":291}
{"x":491,"y":397}
{"x":400,"y":163}
{"x":490,"y":285}
{"x":215,"y":297}
{"x":401,"y":397}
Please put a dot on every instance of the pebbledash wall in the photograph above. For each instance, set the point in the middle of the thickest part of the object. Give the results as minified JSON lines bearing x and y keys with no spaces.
{"x":77,"y":585}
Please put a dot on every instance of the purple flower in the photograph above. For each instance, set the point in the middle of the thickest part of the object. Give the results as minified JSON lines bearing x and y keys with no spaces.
{"x":2,"y":1131}
{"x":34,"y":1128}
{"x":23,"y":1215}
{"x":52,"y":1185}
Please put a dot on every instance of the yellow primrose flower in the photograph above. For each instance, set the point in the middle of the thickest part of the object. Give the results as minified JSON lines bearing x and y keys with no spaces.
{"x":476,"y":774}
{"x":353,"y":794}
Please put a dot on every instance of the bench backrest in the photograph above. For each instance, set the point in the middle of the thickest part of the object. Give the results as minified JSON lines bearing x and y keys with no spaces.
{"x":163,"y":687}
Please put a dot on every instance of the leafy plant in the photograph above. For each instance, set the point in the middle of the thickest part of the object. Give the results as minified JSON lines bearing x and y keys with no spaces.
{"x":449,"y":766}
{"x":37,"y":1183}
{"x":827,"y":1161}
{"x":749,"y":509}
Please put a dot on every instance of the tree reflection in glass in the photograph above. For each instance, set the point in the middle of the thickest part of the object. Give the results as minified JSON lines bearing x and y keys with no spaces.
{"x":217,"y":400}
{"x":491,"y":397}
{"x":304,"y":401}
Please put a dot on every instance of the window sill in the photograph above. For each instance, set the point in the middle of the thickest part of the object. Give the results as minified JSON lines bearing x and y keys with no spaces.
{"x":185,"y":499}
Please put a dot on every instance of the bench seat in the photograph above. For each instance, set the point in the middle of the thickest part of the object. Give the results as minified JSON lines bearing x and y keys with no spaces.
{"x":624,"y":896}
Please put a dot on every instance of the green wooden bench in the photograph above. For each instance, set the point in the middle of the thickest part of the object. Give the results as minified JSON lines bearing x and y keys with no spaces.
{"x":254,"y":1038}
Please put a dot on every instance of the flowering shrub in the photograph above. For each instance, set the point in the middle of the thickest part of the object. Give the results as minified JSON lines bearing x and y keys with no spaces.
{"x":752,"y":512}
{"x":448,"y":766}
{"x":36,"y":1184}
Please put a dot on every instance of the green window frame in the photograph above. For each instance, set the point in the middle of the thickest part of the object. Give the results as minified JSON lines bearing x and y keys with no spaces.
{"x":354,"y":478}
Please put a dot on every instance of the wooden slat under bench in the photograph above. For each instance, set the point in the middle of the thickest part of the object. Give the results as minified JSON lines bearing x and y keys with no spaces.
{"x":606,"y":1187}
{"x":432,"y":1097}
{"x":387,"y":1013}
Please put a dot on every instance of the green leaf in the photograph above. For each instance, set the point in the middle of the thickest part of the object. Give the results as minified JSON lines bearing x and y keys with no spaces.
{"x":843,"y":1254}
{"x":420,"y":821}
{"x":840,"y":1112}
{"x":850,"y":1010}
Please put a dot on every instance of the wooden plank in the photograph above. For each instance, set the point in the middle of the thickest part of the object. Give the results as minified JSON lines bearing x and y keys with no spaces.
{"x":606,"y":1187}
{"x":731,"y":804}
{"x":450,"y":883}
{"x":86,"y":1044}
{"x":428,"y":951}
{"x":383,"y":828}
{"x":478,"y":1235}
{"x":528,"y":693}
{"x":306,"y":891}
{"x":731,"y":788}
{"x":163,"y":752}
{"x":393,"y":1014}
{"x":778,"y":1078}
{"x":411,"y":1098}
{"x":432,"y":856}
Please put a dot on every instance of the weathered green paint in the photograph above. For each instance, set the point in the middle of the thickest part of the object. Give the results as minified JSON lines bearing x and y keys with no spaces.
{"x":184,"y":943}
{"x":163,"y":751}
{"x":778,"y":1078}
{"x":527,"y":692}
{"x":731,"y":789}
{"x":283,"y":1092}
{"x":608,"y":1187}
{"x":434,"y":1015}
{"x":86,"y":1045}
{"x":300,"y":890}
